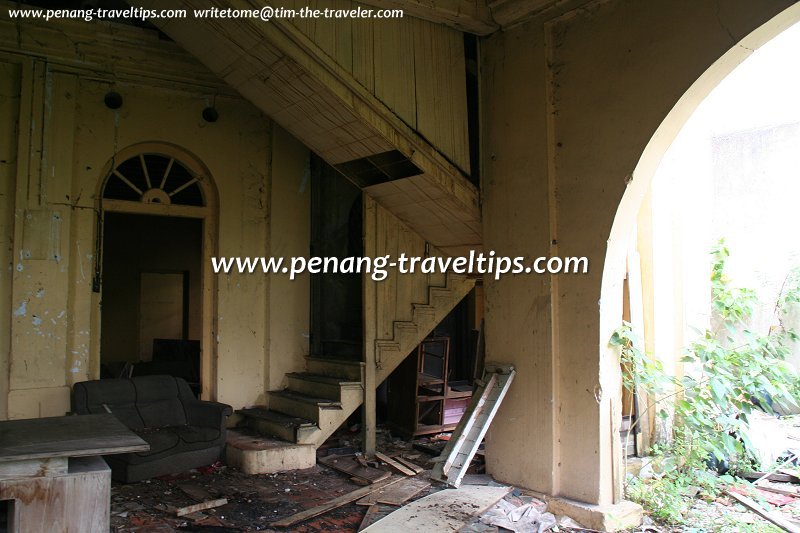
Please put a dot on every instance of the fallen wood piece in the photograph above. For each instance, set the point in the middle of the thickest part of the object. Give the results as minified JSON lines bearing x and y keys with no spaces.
{"x":773,"y":470}
{"x":783,"y":478}
{"x":349,"y":465}
{"x":771,"y":498}
{"x":394,"y":464}
{"x":405,"y":462}
{"x":401,"y":492}
{"x":446,"y":510}
{"x":771,"y":516}
{"x":210,"y":504}
{"x":779,"y":488}
{"x":794,"y":475}
{"x":396,"y":494}
{"x":373,"y":514}
{"x":334,"y":503}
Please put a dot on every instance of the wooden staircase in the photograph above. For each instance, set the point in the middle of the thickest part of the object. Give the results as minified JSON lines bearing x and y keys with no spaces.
{"x":316,"y":402}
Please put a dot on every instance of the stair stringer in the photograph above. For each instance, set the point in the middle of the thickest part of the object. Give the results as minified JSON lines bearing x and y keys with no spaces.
{"x":407,"y":334}
{"x":389,"y":353}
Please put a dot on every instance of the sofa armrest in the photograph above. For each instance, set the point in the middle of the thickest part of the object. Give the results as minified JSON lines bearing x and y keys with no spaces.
{"x":207,"y":414}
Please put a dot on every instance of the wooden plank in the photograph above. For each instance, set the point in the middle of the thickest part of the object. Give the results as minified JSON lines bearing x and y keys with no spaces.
{"x":782,"y":478}
{"x":771,"y":516}
{"x":399,"y":493}
{"x":349,"y":465}
{"x":210,"y":504}
{"x":66,"y":436}
{"x":394,"y":464}
{"x":409,"y":464}
{"x":373,"y":514}
{"x":334,"y":503}
{"x":780,"y":488}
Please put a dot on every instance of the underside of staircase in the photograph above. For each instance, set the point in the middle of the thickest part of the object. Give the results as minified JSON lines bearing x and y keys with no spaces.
{"x":317,"y":402}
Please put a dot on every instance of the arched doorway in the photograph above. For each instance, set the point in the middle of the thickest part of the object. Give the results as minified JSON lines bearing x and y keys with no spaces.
{"x":157,"y":228}
{"x":615,"y":291}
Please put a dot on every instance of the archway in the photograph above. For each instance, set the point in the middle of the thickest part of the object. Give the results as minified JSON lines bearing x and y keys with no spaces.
{"x":157,"y":230}
{"x":615,"y":268}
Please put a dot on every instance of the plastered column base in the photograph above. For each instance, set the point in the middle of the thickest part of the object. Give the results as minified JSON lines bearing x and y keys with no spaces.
{"x":615,"y":517}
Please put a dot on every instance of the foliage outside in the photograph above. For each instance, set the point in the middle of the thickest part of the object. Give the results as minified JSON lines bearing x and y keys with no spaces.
{"x":730,"y":371}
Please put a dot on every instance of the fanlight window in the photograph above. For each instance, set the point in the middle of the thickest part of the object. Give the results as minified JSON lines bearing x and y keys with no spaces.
{"x":154,"y":179}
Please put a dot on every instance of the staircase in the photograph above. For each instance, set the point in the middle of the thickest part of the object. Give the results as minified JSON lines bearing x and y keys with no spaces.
{"x":316,"y":402}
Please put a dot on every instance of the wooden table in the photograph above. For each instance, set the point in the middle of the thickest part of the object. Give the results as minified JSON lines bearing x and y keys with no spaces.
{"x":52,"y":475}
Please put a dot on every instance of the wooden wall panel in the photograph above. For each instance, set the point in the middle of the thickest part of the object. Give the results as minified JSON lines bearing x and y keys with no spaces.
{"x":415,"y":67}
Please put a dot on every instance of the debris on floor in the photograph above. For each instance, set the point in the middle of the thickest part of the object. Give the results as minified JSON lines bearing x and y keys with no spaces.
{"x":344,"y":492}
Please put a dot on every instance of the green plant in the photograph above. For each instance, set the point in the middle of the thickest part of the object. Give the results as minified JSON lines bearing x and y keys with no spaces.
{"x":730,"y":372}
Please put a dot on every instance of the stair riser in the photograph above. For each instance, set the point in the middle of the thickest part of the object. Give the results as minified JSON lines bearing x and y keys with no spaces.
{"x":315,"y":388}
{"x":271,"y":429}
{"x":334,"y":369}
{"x":292,"y":407}
{"x":330,"y":421}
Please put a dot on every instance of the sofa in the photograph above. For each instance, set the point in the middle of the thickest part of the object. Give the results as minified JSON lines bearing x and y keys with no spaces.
{"x":182,"y":431}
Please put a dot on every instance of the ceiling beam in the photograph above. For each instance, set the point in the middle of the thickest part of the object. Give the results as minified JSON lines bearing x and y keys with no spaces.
{"x":471,"y":16}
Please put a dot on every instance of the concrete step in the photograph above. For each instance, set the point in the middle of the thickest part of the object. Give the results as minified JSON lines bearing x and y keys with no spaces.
{"x":263,"y":455}
{"x":280,"y":425}
{"x":337,"y":368}
{"x":301,"y":405}
{"x":320,"y":386}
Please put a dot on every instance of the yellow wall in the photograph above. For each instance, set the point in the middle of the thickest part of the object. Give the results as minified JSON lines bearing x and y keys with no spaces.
{"x":569,"y":105}
{"x":67,"y":138}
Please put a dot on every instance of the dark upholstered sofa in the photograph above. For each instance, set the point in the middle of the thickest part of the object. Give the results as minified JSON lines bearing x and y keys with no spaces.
{"x":183,"y":432}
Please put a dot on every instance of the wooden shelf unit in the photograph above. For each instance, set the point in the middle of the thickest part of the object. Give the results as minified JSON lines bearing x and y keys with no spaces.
{"x":422,"y":398}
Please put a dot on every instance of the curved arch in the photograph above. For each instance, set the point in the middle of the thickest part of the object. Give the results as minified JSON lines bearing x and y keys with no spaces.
{"x":614,"y":267}
{"x":187,"y":159}
{"x":208,"y":213}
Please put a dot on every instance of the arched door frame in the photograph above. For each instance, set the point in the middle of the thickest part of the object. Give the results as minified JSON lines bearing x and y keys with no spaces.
{"x":208,"y":213}
{"x":614,"y":267}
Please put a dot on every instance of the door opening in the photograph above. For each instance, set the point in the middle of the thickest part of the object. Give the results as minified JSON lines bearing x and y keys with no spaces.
{"x":152,"y":301}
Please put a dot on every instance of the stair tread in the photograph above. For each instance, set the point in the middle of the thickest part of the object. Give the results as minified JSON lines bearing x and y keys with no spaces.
{"x":319,"y":378}
{"x":276,"y":417}
{"x":292,"y":395}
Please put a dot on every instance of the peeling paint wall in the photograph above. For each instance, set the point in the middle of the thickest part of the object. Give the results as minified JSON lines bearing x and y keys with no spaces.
{"x":570,"y":104}
{"x":51,"y":107}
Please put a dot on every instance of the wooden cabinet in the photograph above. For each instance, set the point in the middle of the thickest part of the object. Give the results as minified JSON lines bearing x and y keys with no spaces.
{"x":422,"y":398}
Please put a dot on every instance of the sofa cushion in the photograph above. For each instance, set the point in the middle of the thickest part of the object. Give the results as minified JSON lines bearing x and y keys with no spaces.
{"x":117,"y":396}
{"x":167,"y":441}
{"x":160,"y":440}
{"x":197,"y":434}
{"x":158,"y":401}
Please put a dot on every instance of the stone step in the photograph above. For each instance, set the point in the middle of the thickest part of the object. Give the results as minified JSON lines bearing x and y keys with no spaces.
{"x":318,"y":385}
{"x":337,"y":368}
{"x":263,"y":455}
{"x":301,"y":405}
{"x":280,"y":425}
